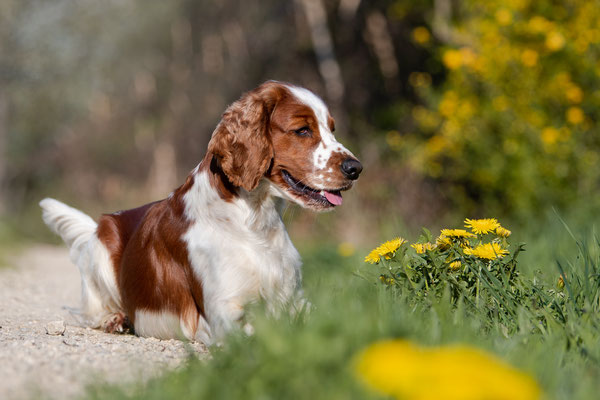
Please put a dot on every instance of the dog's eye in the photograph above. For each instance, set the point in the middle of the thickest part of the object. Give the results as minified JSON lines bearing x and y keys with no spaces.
{"x":304,"y":131}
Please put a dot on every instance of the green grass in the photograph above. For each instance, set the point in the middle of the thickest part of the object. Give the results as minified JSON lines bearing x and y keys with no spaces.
{"x":311,"y":357}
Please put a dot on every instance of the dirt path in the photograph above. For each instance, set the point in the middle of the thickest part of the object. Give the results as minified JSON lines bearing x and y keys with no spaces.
{"x":34,"y":292}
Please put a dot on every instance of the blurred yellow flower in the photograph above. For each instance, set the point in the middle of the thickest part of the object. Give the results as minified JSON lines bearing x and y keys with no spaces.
{"x":467,"y":56}
{"x":550,"y":135}
{"x":488,"y":251}
{"x":503,"y":232}
{"x":575,"y":115}
{"x":461,"y":233}
{"x":389,"y":281}
{"x":455,"y":265}
{"x":529,"y":57}
{"x":405,"y":370}
{"x":385,"y":250}
{"x":421,"y":248}
{"x":346,"y":249}
{"x":538,"y":24}
{"x":448,"y":104}
{"x":421,"y":35}
{"x":436,"y":145}
{"x":482,"y":226}
{"x":574,"y":94}
{"x":503,"y":16}
{"x":426,"y":118}
{"x":555,"y":41}
{"x":419,"y":79}
{"x":452,"y":59}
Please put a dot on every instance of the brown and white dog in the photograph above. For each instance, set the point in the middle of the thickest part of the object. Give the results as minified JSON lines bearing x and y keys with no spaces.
{"x":187,"y":265}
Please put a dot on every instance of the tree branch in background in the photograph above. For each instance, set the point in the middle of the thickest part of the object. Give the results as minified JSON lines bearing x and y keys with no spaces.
{"x":442,"y":24}
{"x":348,"y":8}
{"x":323,"y":47}
{"x":380,"y":39}
{"x":164,"y":165}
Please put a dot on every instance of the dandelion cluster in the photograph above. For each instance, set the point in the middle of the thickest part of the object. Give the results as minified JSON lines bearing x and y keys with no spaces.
{"x":407,"y":371}
{"x":458,"y":259}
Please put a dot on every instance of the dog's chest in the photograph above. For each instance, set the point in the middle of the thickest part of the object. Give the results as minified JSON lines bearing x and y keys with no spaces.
{"x":237,"y":253}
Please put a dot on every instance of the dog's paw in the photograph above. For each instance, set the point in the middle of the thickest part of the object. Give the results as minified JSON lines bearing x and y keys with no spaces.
{"x":248,"y":329}
{"x":116,"y":323}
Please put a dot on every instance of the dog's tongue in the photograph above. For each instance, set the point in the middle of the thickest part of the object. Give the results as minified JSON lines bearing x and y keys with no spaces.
{"x":333,"y":198}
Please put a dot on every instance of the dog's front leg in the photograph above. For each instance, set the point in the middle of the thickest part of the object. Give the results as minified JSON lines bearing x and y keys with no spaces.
{"x":224,"y":316}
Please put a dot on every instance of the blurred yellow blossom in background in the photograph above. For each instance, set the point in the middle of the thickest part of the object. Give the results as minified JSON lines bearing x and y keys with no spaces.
{"x":520,"y":81}
{"x":421,"y":35}
{"x":408,"y":371}
{"x":575,"y":115}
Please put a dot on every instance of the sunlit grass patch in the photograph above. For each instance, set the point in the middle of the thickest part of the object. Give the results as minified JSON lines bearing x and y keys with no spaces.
{"x":313,"y":356}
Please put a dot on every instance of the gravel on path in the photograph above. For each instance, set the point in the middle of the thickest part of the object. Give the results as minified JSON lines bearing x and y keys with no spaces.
{"x":43,"y":348}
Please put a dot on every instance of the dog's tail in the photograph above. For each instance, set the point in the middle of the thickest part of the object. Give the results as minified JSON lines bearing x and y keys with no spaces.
{"x":75,"y":227}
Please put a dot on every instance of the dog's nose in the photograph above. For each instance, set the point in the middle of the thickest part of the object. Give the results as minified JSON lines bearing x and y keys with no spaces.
{"x":351,"y":168}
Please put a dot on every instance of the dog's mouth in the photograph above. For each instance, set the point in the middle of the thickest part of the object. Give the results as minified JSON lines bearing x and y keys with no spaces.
{"x":323,"y":198}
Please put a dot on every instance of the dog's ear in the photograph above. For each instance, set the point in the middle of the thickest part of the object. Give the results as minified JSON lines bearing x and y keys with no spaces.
{"x":241,"y":142}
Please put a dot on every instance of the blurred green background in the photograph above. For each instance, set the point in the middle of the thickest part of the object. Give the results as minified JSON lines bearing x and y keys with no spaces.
{"x":456,"y":108}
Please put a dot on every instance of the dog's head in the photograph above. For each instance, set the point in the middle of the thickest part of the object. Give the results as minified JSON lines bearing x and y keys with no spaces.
{"x":284,"y":133}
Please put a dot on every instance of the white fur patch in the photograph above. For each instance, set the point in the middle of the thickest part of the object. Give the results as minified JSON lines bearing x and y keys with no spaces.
{"x":161,"y":325}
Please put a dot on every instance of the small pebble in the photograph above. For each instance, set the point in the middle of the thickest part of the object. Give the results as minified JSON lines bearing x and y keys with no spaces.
{"x":55,"y":328}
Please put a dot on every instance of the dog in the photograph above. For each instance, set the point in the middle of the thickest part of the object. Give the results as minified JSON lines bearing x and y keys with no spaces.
{"x":186,"y":266}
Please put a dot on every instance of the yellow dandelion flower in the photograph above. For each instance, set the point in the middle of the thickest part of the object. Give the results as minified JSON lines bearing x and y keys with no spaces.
{"x":421,"y":35}
{"x":455,"y":265}
{"x":575,"y":115}
{"x":529,"y":58}
{"x":346,"y":249}
{"x":555,"y":41}
{"x":421,"y":248}
{"x":561,"y":282}
{"x":392,"y":245}
{"x":385,"y":250}
{"x":550,"y":135}
{"x":467,"y":56}
{"x":538,"y":24}
{"x":399,"y":368}
{"x":373,"y":257}
{"x":482,"y":226}
{"x":503,"y":232}
{"x":574,"y":94}
{"x":443,"y":242}
{"x":458,"y":233}
{"x":452,"y":59}
{"x":503,"y":16}
{"x":488,"y":251}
